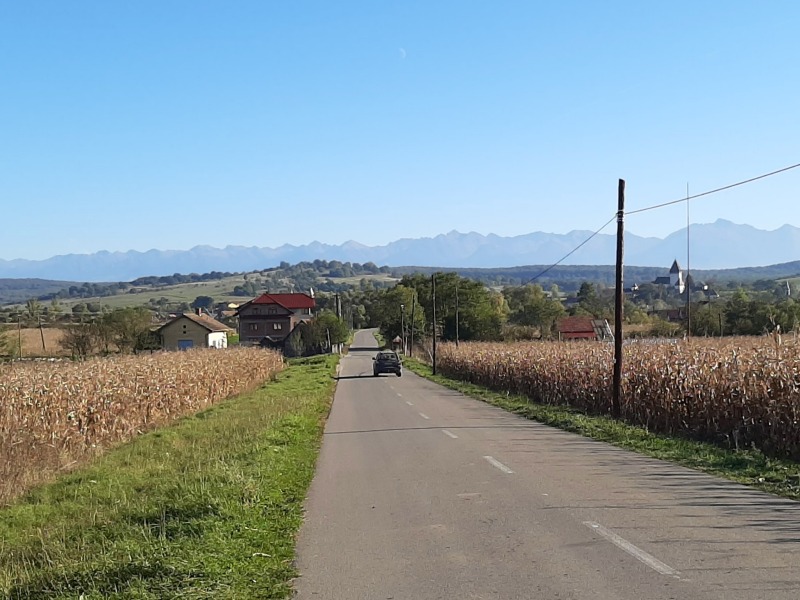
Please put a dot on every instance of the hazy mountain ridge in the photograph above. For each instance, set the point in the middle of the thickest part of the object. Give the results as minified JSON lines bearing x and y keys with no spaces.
{"x":718,"y":245}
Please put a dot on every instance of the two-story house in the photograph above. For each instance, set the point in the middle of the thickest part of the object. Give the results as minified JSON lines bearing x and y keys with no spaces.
{"x":269,"y":319}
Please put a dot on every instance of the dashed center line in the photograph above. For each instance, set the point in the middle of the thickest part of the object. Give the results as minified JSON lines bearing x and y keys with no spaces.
{"x":409,"y":403}
{"x":424,"y":416}
{"x":449,"y":434}
{"x":638,"y":553}
{"x":399,"y":395}
{"x":496,"y":463}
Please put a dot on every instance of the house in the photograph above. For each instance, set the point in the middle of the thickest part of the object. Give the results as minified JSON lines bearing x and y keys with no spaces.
{"x":269,"y":319}
{"x":674,"y":280}
{"x":583,"y":328}
{"x":191,"y":330}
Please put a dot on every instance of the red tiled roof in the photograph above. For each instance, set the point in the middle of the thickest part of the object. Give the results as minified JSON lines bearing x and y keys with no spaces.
{"x":576,"y":325}
{"x":290,"y":301}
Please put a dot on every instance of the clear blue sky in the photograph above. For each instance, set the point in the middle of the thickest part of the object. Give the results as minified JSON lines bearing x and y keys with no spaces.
{"x":138,"y":125}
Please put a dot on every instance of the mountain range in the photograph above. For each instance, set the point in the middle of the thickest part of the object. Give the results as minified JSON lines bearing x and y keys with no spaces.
{"x":718,"y":245}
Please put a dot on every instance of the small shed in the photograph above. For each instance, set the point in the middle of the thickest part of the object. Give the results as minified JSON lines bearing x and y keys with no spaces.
{"x":397,"y":343}
{"x":191,"y":330}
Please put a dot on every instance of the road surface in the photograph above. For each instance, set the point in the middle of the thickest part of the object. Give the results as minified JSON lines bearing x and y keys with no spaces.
{"x":421,"y":493}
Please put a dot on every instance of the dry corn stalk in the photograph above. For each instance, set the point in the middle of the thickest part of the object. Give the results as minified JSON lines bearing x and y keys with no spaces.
{"x":54,"y":414}
{"x":737,"y":391}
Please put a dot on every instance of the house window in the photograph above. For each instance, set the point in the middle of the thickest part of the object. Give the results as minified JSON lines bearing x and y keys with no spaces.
{"x":253,"y":326}
{"x":272,"y":310}
{"x":277,"y":326}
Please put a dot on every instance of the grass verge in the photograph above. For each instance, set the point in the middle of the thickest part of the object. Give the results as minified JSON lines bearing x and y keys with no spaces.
{"x":207,"y":508}
{"x":751,"y":467}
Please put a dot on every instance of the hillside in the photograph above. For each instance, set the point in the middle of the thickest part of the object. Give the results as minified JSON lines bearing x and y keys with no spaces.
{"x":324,"y":276}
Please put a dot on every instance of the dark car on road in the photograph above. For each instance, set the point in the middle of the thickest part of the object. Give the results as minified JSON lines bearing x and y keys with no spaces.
{"x":387,"y":362}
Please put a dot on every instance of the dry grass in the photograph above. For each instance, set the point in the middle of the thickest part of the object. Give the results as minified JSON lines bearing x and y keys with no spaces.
{"x":56,"y":415}
{"x":32,"y":341}
{"x":742,"y":392}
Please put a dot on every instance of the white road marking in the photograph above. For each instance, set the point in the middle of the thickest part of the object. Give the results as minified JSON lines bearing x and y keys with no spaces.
{"x":498,"y":464}
{"x":449,"y":434}
{"x":399,"y":395}
{"x":638,"y":553}
{"x":409,"y":403}
{"x":424,"y":416}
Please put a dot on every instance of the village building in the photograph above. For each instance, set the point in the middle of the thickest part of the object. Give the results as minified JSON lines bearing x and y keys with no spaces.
{"x":190,"y":330}
{"x":271,"y":318}
{"x":583,"y":328}
{"x":674,"y":280}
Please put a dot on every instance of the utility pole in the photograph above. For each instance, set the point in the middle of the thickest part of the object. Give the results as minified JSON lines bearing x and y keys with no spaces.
{"x":19,"y":334}
{"x":433,"y":304}
{"x":41,"y":333}
{"x":688,"y":272}
{"x":619,"y":303}
{"x":411,"y":345}
{"x":403,"y":326}
{"x":456,"y":313}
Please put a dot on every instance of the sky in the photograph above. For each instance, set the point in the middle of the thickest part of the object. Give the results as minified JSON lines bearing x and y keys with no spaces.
{"x":140,"y":125}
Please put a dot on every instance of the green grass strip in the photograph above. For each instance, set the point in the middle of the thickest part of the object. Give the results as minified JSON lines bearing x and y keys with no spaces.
{"x":208,"y":508}
{"x":751,"y":467}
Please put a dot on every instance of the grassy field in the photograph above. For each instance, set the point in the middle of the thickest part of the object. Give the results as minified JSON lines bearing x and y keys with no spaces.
{"x":207,"y":508}
{"x":748,"y":466}
{"x":220,"y":290}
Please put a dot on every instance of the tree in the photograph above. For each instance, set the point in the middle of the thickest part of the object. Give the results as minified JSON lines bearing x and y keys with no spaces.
{"x":55,"y":309}
{"x":206,"y":302}
{"x":9,"y":345}
{"x":33,"y":310}
{"x":530,"y":306}
{"x":128,"y":327}
{"x":315,"y":334}
{"x":79,"y":339}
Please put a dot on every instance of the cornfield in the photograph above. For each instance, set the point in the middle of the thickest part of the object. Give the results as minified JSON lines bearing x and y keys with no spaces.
{"x":741,"y":392}
{"x":54,"y":415}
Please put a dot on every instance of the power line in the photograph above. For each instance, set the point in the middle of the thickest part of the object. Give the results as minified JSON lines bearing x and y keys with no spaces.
{"x":571,"y":252}
{"x":663,"y":204}
{"x":714,"y":191}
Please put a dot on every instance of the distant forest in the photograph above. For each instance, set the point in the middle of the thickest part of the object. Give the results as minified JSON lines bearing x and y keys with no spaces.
{"x":326,"y":276}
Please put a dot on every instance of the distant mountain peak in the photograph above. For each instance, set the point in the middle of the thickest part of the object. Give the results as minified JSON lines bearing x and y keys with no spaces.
{"x":722,"y":244}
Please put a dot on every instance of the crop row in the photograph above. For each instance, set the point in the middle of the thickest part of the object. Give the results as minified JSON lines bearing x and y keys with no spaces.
{"x":742,"y":392}
{"x":53,"y":415}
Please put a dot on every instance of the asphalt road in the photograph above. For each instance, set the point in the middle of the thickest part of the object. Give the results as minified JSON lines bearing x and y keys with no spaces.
{"x":422,"y":493}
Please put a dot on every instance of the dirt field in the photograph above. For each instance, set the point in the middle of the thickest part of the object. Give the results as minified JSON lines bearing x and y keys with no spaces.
{"x":32,"y":341}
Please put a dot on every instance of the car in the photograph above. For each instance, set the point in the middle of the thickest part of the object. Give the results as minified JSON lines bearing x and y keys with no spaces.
{"x":387,"y":361}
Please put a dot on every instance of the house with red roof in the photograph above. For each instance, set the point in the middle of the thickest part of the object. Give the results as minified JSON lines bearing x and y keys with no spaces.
{"x":269,"y":319}
{"x":584,"y":328}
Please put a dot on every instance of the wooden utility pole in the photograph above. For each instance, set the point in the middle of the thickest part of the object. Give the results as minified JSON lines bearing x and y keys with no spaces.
{"x":41,"y":333}
{"x":619,"y":303}
{"x":411,"y":345}
{"x":433,"y":304}
{"x":19,"y":334}
{"x":456,"y":314}
{"x":403,"y":327}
